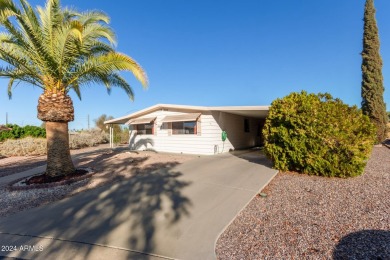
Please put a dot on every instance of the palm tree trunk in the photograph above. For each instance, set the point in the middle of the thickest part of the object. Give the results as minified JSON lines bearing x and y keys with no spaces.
{"x":55,"y":108}
{"x":59,"y":161}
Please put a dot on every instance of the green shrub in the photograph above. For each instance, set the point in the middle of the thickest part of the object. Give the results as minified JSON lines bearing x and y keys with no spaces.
{"x":21,"y":132}
{"x":34,"y":131}
{"x":318,"y":135}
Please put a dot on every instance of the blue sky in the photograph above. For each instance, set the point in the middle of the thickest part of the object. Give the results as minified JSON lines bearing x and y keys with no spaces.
{"x":223,"y":52}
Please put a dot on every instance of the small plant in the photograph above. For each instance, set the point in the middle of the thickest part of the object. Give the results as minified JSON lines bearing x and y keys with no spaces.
{"x":318,"y":135}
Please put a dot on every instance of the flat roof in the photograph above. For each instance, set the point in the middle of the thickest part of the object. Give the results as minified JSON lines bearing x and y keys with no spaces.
{"x":248,"y":111}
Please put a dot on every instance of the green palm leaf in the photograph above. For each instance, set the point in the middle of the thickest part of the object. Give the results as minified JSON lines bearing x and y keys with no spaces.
{"x":62,"y":49}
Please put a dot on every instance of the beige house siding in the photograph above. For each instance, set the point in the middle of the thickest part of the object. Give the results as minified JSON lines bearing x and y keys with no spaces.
{"x":209,"y":140}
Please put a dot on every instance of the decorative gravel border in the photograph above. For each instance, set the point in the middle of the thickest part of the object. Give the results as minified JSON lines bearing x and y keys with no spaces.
{"x":312,"y":217}
{"x":11,"y":186}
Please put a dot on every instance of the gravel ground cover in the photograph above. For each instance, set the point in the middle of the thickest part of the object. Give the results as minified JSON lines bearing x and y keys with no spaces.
{"x":110,"y":166}
{"x":310,"y":217}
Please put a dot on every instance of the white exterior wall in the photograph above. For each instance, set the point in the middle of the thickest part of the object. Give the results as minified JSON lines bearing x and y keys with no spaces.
{"x":209,"y":140}
{"x":237,"y":138}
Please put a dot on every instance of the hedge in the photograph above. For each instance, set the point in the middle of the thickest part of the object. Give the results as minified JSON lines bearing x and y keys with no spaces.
{"x":21,"y":132}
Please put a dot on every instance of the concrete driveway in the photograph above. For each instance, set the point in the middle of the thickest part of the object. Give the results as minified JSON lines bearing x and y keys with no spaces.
{"x":170,"y":213}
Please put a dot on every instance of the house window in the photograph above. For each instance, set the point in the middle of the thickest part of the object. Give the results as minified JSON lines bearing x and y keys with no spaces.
{"x":145,"y":129}
{"x":246,"y":125}
{"x":184,"y":128}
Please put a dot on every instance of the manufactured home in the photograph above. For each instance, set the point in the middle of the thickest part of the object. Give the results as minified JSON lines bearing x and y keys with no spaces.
{"x":194,"y":129}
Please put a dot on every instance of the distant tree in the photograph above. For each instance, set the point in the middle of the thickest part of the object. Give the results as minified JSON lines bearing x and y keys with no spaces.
{"x":373,"y":104}
{"x":118,"y":131}
{"x":99,"y":122}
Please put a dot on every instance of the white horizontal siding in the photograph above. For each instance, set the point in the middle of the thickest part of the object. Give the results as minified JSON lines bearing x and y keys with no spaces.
{"x":212,"y":125}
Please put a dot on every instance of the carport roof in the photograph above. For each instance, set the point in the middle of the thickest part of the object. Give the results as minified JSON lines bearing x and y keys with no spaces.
{"x":247,"y":111}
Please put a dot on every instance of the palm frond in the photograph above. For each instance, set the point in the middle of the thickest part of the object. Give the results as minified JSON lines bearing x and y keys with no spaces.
{"x":66,"y":47}
{"x":108,"y":80}
{"x":55,"y":47}
{"x":9,"y":89}
{"x":107,"y":63}
{"x":99,"y":31}
{"x":32,"y":33}
{"x":7,"y":10}
{"x":76,"y":89}
{"x":16,"y":75}
{"x":7,"y":38}
{"x":93,"y":17}
{"x":15,"y":59}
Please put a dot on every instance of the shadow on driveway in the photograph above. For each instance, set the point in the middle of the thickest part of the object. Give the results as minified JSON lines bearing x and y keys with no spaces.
{"x":122,"y":214}
{"x":165,"y":209}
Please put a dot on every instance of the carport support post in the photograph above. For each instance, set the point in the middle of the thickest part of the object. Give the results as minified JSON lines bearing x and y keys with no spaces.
{"x":111,"y":137}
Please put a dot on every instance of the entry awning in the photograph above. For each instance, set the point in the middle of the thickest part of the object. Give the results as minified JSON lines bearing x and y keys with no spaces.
{"x":181,"y":118}
{"x":137,"y":121}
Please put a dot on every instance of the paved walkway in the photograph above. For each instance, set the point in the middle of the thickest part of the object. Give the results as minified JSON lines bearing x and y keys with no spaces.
{"x":170,"y":213}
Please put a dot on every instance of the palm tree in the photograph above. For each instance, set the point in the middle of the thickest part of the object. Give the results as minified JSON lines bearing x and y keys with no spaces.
{"x":58,"y":50}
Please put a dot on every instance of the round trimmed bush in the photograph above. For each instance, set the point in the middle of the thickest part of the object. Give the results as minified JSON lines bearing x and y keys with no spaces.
{"x":318,"y":135}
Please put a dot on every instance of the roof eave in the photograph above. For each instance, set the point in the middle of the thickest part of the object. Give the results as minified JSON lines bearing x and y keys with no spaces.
{"x":124,"y":119}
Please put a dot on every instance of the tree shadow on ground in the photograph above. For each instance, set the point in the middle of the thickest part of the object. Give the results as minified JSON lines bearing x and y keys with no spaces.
{"x":124,"y":214}
{"x":21,"y":166}
{"x":30,"y":162}
{"x":365,"y":244}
